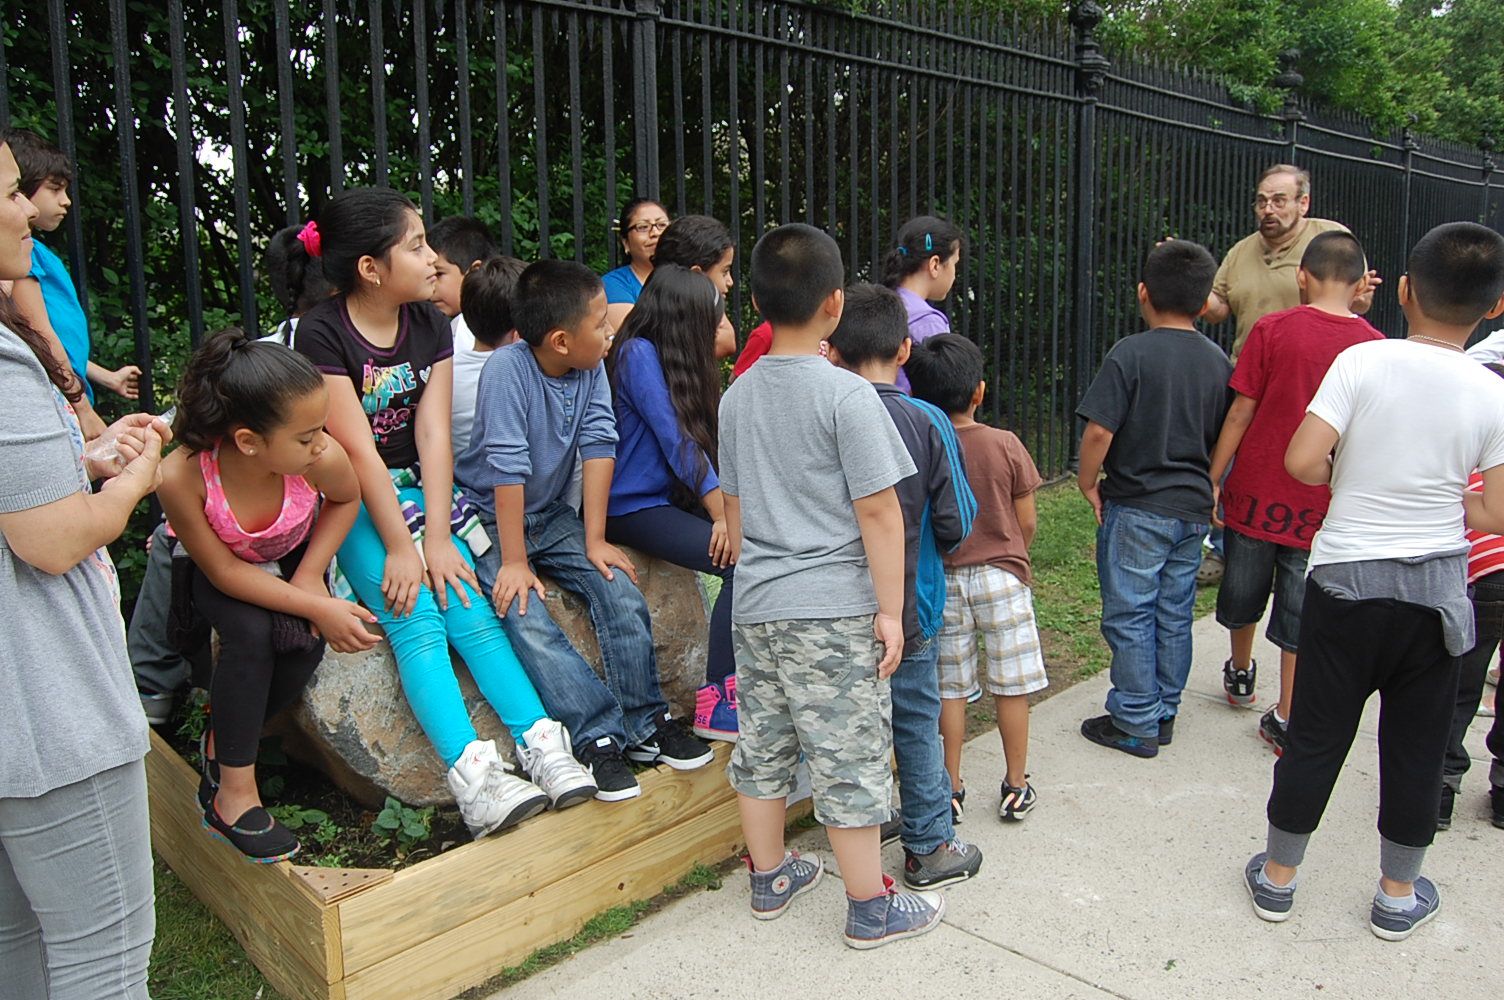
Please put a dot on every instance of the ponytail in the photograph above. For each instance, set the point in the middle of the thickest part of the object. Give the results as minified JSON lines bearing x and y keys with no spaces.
{"x":234,"y":381}
{"x":298,"y":281}
{"x":920,"y":239}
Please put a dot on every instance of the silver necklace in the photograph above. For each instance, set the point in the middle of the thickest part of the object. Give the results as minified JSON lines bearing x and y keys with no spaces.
{"x":1438,"y":343}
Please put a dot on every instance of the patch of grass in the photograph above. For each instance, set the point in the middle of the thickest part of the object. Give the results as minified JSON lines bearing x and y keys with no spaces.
{"x":194,"y":957}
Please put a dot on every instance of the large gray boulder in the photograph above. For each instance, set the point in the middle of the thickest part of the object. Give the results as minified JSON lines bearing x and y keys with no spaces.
{"x":355,"y":725}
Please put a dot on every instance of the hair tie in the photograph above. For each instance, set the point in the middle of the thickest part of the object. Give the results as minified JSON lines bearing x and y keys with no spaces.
{"x":311,"y":240}
{"x":904,"y":250}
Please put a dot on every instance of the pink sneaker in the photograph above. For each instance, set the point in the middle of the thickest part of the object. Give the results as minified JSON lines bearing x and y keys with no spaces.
{"x":715,"y":712}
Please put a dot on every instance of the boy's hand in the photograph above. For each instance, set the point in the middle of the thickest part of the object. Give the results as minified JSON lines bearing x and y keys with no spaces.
{"x":402,"y":580}
{"x":515,"y":581}
{"x":1216,"y":506}
{"x":889,"y":632}
{"x":1093,"y":494}
{"x":604,"y":555}
{"x":721,"y":555}
{"x":447,"y":568}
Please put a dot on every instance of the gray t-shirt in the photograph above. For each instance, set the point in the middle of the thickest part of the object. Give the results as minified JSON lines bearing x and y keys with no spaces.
{"x":800,"y":440}
{"x":70,"y":708}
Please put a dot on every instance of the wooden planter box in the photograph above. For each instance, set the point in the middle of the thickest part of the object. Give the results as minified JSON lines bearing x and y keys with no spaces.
{"x":455,"y":920}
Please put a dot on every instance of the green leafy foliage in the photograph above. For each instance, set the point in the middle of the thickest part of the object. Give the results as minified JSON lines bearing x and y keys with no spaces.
{"x":409,"y":827}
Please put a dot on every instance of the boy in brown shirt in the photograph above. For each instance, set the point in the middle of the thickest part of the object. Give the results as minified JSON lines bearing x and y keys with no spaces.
{"x":987,"y":577}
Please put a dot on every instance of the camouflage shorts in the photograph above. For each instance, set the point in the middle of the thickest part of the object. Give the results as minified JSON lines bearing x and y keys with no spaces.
{"x":811,"y":685}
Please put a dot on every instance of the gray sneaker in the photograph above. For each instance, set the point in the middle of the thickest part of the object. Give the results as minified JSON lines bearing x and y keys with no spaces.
{"x":951,"y":862}
{"x":1271,"y":902}
{"x":872,"y":923}
{"x":1396,"y":925}
{"x":773,"y":891}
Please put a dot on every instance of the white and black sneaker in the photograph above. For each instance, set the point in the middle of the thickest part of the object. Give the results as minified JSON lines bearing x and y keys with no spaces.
{"x":672,"y":744}
{"x":614,"y":780}
{"x":548,"y":758}
{"x":490,"y":797}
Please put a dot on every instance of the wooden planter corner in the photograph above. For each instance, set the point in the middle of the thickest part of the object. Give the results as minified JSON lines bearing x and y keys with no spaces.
{"x":455,"y":920}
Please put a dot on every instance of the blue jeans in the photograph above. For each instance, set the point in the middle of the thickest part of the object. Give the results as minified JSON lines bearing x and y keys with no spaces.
{"x":421,"y":640}
{"x":630,"y":706}
{"x":1147,"y":565}
{"x":923,"y":785}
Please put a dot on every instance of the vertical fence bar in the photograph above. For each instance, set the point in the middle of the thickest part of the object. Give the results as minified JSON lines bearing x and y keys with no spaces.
{"x":182,"y":112}
{"x":503,"y":134}
{"x":125,"y":134}
{"x":707,"y":157}
{"x":378,"y":92}
{"x":240,"y":159}
{"x":4,"y":86}
{"x":62,"y":93}
{"x":608,"y":124}
{"x":540,"y":138}
{"x":467,"y":143}
{"x":1289,"y":80}
{"x":425,"y":127}
{"x":332,"y":97}
{"x":576,"y":140}
{"x":681,"y":161}
{"x":1487,"y":147}
{"x":784,"y":97}
{"x":289,"y":139}
{"x":645,"y":95}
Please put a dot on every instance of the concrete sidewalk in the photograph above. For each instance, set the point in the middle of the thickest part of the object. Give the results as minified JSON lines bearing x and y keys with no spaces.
{"x":1126,"y":881}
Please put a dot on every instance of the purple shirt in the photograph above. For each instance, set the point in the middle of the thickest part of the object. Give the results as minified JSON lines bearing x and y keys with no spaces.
{"x":925,"y":321}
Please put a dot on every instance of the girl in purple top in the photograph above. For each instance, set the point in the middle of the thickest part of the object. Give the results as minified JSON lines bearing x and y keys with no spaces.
{"x":921,"y":268}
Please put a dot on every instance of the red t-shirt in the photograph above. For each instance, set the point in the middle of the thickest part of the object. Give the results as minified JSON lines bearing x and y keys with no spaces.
{"x":1487,"y":554}
{"x":1283,"y":362}
{"x":758,"y":342}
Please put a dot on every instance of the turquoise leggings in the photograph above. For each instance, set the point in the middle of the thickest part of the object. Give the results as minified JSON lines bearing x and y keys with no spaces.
{"x":420,"y":642}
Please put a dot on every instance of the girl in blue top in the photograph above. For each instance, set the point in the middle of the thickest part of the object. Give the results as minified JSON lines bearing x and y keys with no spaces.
{"x":665,"y":497}
{"x":641,"y":222}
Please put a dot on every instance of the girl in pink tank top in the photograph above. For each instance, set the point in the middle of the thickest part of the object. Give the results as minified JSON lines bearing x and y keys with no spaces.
{"x":259,"y":498}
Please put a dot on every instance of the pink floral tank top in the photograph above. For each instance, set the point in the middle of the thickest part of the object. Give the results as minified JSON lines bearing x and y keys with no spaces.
{"x":299,"y":504}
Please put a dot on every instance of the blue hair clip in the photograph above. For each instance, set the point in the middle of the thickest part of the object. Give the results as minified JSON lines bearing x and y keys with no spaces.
{"x":929,"y":243}
{"x":904,"y":251}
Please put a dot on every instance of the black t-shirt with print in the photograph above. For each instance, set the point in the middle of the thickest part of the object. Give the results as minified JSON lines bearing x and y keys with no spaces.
{"x":389,"y":381}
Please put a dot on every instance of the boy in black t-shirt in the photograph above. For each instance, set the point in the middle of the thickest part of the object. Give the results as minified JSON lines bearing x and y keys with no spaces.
{"x":1153,"y":414}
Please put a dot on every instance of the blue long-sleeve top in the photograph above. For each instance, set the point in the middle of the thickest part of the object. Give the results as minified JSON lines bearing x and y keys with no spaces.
{"x":653,"y":452}
{"x":528,"y":427}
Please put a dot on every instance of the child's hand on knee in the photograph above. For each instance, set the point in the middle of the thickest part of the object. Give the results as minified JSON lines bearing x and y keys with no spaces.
{"x":515,"y":582}
{"x":604,"y":555}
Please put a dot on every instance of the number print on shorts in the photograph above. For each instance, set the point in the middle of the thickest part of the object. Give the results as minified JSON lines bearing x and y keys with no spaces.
{"x":1281,"y":519}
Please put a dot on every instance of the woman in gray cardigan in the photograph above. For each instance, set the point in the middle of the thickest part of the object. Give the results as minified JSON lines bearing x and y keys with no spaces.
{"x":76,"y":918}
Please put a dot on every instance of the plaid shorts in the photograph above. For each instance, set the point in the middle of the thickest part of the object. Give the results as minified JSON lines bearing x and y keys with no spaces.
{"x":995,"y":604}
{"x":811,"y":685}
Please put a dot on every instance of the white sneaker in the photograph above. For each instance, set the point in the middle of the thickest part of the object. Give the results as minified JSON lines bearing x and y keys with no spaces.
{"x":489,"y":796}
{"x":548,"y":758}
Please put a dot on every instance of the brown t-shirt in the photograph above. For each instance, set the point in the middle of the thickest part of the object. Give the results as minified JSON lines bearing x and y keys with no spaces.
{"x":1255,"y":282}
{"x":1000,"y":471}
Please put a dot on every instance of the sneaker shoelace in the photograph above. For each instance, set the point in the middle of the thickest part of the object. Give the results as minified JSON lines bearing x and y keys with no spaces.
{"x":498,"y":776}
{"x":550,"y":765}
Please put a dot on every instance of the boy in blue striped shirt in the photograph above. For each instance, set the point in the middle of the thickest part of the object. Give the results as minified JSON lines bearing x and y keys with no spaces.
{"x":872,"y":340}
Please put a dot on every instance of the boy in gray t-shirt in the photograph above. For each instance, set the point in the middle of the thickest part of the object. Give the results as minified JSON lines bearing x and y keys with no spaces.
{"x":808,"y":462}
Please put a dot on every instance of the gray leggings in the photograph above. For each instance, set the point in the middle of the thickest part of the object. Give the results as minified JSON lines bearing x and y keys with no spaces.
{"x":76,"y":898}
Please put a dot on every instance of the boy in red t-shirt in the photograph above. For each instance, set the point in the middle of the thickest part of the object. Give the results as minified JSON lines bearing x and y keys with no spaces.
{"x":1271,"y":518}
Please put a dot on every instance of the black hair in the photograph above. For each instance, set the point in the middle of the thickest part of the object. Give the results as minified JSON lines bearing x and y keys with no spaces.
{"x":552,"y":295}
{"x":624,"y":220}
{"x":794,"y":269}
{"x":486,"y":298}
{"x":362,"y":222}
{"x":234,"y":381}
{"x":678,"y":313}
{"x":298,"y":281}
{"x":920,"y":239}
{"x":1456,"y":272}
{"x":874,"y":324}
{"x":1335,"y":256}
{"x":945,"y":370}
{"x":461,"y":240}
{"x":1178,"y":275}
{"x":693,"y":241}
{"x":40,"y":161}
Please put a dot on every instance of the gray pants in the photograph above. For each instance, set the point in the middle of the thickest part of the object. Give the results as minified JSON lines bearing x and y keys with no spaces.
{"x":159,"y":668}
{"x":76,"y":897}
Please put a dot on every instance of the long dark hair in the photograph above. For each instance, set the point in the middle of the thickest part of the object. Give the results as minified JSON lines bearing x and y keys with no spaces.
{"x":235,"y":381}
{"x":298,"y":281}
{"x":361,"y":222}
{"x":920,"y":239}
{"x":58,"y":373}
{"x":678,"y":313}
{"x":693,"y":241}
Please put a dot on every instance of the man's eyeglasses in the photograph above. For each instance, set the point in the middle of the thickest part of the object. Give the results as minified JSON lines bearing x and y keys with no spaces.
{"x":1278,"y":202}
{"x":644,"y":228}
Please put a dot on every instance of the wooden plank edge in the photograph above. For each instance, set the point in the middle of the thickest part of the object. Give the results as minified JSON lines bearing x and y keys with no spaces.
{"x":470,"y":954}
{"x":476,"y":879}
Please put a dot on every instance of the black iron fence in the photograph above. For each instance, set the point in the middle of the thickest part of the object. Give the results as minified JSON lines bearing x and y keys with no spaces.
{"x":542,"y":116}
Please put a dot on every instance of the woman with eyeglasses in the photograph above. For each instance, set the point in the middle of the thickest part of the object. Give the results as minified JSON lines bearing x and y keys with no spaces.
{"x":641,"y":222}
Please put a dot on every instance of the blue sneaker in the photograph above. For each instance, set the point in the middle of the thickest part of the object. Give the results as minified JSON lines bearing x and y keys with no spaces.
{"x":892,"y":916}
{"x":1396,"y":925}
{"x":1271,"y":902}
{"x":1104,"y":732}
{"x":773,"y":891}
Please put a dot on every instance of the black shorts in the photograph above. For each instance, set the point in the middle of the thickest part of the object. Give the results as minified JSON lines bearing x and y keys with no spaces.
{"x":1256,"y":567}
